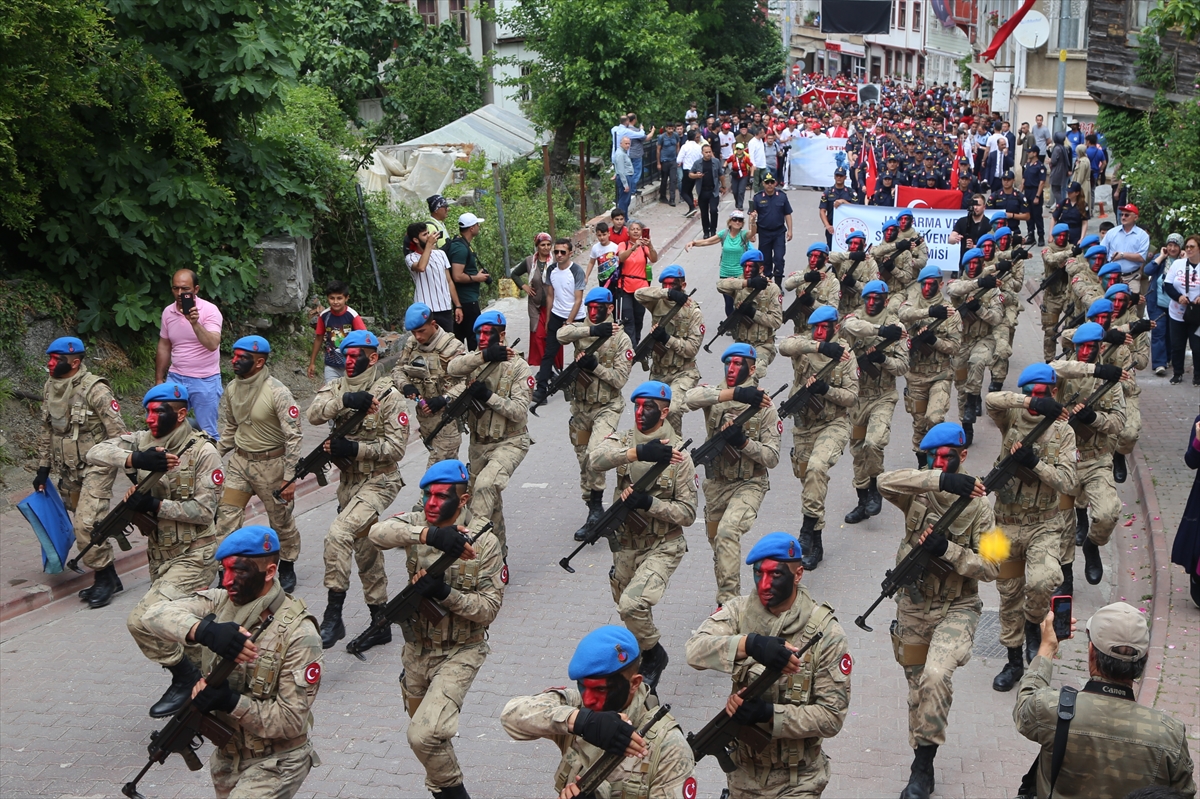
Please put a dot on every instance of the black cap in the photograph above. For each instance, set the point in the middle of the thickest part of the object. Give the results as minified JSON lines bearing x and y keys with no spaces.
{"x":1008,"y":175}
{"x":437,"y":201}
{"x":893,"y":157}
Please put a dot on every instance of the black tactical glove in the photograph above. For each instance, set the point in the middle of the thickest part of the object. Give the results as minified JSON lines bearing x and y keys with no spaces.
{"x":813,"y":277}
{"x":737,"y":436}
{"x":757,"y":282}
{"x":858,"y":256}
{"x":654,"y":452}
{"x":480,"y":391}
{"x":677,"y":296}
{"x":935,"y":543}
{"x":358,"y":400}
{"x":431,"y":587}
{"x":876,"y":356}
{"x":1020,"y":254}
{"x":217,"y":697}
{"x":448,"y":539}
{"x":409,"y":391}
{"x":938,"y":311}
{"x":149,"y":460}
{"x":1140,"y":326}
{"x":223,"y":638}
{"x":973,"y":304}
{"x":1107,"y":372}
{"x":987,"y":282}
{"x":806,"y":300}
{"x":1116,"y":337}
{"x":768,"y":651}
{"x":143,"y":502}
{"x":343,"y":448}
{"x":754,"y":711}
{"x":1045,"y":406}
{"x":588,"y":362}
{"x":831,"y":350}
{"x":747,"y":310}
{"x":1003,"y":266}
{"x":1076,"y":250}
{"x":955,"y":483}
{"x":749,"y":395}
{"x":39,"y":480}
{"x":495,"y":353}
{"x":604,"y":730}
{"x":1026,"y":457}
{"x":890,"y":333}
{"x":436,"y":402}
{"x":640,"y":501}
{"x":1086,"y":415}
{"x":601,"y":331}
{"x":904,"y":245}
{"x":818,"y":388}
{"x":660,"y":335}
{"x":927,"y":337}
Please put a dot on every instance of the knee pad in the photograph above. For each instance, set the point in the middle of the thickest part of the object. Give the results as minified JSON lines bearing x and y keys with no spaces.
{"x":235,"y":497}
{"x":858,"y":433}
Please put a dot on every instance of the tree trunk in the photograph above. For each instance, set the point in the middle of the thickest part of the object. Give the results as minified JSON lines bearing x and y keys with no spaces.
{"x":560,"y":150}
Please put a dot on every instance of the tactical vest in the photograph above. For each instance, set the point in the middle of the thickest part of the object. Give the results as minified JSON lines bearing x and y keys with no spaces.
{"x":664,"y":488}
{"x":755,"y":333}
{"x":1017,"y":497}
{"x":489,"y":426}
{"x":870,"y":388}
{"x":1089,"y":442}
{"x":805,"y":365}
{"x":369,"y":431}
{"x":1056,"y":258}
{"x":725,"y":467}
{"x":919,"y":362}
{"x":180,"y":486}
{"x":453,"y":630}
{"x":639,"y":780}
{"x":431,"y":379}
{"x":942,"y":584}
{"x":671,"y":363}
{"x":850,"y":301}
{"x":74,"y":435}
{"x":599,"y":392}
{"x":975,"y":328}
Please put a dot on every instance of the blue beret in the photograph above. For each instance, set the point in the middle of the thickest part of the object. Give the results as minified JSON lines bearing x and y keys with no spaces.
{"x":744,"y":350}
{"x":822,"y":313}
{"x":603,"y":651}
{"x":1088,"y":331}
{"x":971,"y":255}
{"x":778,"y":546}
{"x":358,"y":338}
{"x":1088,"y":241}
{"x":1117,"y":288}
{"x":1003,"y":231}
{"x":253,"y":344}
{"x":1109,"y":268}
{"x":598,"y":294}
{"x":1037,"y":373}
{"x":890,"y":223}
{"x":67,"y":345}
{"x":906,"y":212}
{"x":818,"y":247}
{"x":875,"y":287}
{"x":450,"y":471}
{"x":986,"y":237}
{"x":652,"y":389}
{"x":165,"y":392}
{"x":674,"y":270}
{"x":946,"y":434}
{"x":751,"y":255}
{"x":494,"y":318}
{"x":856,"y":234}
{"x":249,"y":542}
{"x":930,"y":272}
{"x":1061,"y":227}
{"x":1094,"y":250}
{"x":417,"y":315}
{"x":1000,"y":217}
{"x":1099,"y":306}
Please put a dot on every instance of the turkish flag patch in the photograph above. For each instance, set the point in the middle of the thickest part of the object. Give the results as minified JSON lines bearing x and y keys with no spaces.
{"x":629,"y":355}
{"x":702,"y":328}
{"x":312,"y":673}
{"x":294,"y":412}
{"x":846,"y":664}
{"x":402,"y":419}
{"x":530,"y":381}
{"x":689,"y":788}
{"x":780,"y":426}
{"x":218,"y":477}
{"x":504,"y":574}
{"x":116,"y":408}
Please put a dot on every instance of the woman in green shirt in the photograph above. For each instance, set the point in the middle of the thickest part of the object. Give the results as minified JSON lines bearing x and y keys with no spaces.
{"x":734,"y":241}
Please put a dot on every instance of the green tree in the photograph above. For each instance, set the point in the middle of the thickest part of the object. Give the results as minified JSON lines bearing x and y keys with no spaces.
{"x":430,"y":82}
{"x":740,"y":48}
{"x":1183,"y":15}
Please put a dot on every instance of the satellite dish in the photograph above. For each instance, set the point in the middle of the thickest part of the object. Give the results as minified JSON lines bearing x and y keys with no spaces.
{"x":1033,"y":31}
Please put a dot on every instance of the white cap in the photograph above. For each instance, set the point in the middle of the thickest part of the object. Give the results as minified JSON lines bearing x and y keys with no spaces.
{"x":468,"y":220}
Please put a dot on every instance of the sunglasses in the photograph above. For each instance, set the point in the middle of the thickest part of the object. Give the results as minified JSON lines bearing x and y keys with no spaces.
{"x":561,"y":252}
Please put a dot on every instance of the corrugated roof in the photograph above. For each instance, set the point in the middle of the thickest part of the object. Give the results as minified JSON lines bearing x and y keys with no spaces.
{"x":502,"y":134}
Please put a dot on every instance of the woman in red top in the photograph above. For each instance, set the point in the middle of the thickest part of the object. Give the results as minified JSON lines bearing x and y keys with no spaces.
{"x":635,"y":257}
{"x":740,"y":170}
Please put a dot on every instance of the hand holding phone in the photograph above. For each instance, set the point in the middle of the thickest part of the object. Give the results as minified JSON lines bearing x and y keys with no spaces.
{"x":187,"y":301}
{"x":646,"y":233}
{"x":1061,"y":607}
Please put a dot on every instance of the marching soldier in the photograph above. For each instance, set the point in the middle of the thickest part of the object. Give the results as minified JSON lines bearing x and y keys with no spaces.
{"x":1077,"y":264}
{"x":499,"y":432}
{"x":369,"y":478}
{"x":268,"y":698}
{"x":1055,"y":298}
{"x":761,"y":317}
{"x":854,"y":269}
{"x":603,"y":714}
{"x":260,"y":423}
{"x":822,"y":427}
{"x":441,"y":660}
{"x":183,"y":505}
{"x":1087,"y":283}
{"x":736,"y":482}
{"x":927,"y":389}
{"x":1010,"y":270}
{"x":422,"y":371}
{"x":1029,"y":510}
{"x":596,"y":401}
{"x":650,"y":544}
{"x":894,"y":258}
{"x":813,"y":287}
{"x":874,"y":333}
{"x":79,"y":410}
{"x":764,"y":630}
{"x":937,"y":616}
{"x":908,"y":232}
{"x":981,"y":308}
{"x":1127,"y":318}
{"x":673,"y":359}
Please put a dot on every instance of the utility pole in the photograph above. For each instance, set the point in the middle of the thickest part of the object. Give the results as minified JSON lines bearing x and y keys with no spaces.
{"x":1064,"y":16}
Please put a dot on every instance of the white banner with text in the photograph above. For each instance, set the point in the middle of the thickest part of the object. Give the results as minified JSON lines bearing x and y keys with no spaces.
{"x":934,"y":224}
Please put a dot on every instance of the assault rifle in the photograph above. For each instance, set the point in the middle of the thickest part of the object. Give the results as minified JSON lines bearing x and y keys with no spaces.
{"x":707,"y":452}
{"x":730,"y":322}
{"x":919,"y":560}
{"x":457,"y":408}
{"x":186,"y":731}
{"x":867,"y":367}
{"x":804,"y":398}
{"x":721,"y":734}
{"x":1051,"y":280}
{"x":793,"y":311}
{"x":570,"y":373}
{"x":589,"y":782}
{"x":606,"y":526}
{"x":648,"y":343}
{"x":119,"y":522}
{"x":317,"y":461}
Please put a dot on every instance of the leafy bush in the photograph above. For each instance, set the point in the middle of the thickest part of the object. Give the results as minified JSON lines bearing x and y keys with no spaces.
{"x":1166,"y":192}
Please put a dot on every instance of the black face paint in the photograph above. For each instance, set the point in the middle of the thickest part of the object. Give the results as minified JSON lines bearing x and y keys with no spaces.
{"x":597,"y":312}
{"x":974,"y":267}
{"x":930,"y":288}
{"x":441,"y":502}
{"x":876,"y":302}
{"x":243,"y":363}
{"x":59,"y":365}
{"x":604,"y":693}
{"x":822,"y":331}
{"x":357,"y":361}
{"x":816,"y":260}
{"x":854,"y":245}
{"x":890,"y":234}
{"x":988,"y":248}
{"x":647,"y":414}
{"x":242,"y":579}
{"x":161,"y":419}
{"x":773,"y":582}
{"x":945,"y":458}
{"x":1087,"y":351}
{"x":736,"y":371}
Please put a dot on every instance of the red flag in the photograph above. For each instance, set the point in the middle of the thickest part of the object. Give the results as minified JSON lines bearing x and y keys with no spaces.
{"x":913,"y":197}
{"x":961,"y":154}
{"x":872,"y":171}
{"x":1006,"y":30}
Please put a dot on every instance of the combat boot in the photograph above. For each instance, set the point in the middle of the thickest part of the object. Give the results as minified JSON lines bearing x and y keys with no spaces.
{"x":654,"y":662}
{"x":184,"y":675}
{"x":453,"y":792}
{"x":969,"y":429}
{"x":378,"y":638}
{"x":920,"y":779}
{"x":287,"y":575}
{"x":970,"y":409}
{"x":1033,"y":640}
{"x":922,"y":461}
{"x":996,"y":385}
{"x":332,"y":629}
{"x":1012,"y":672}
{"x":859,"y":512}
{"x":1067,"y":588}
{"x":874,"y":499}
{"x":595,"y":507}
{"x":106,"y":585}
{"x":807,"y":543}
{"x":1120,"y":472}
{"x":1081,"y":526}
{"x":818,"y":548}
{"x":1093,"y":567}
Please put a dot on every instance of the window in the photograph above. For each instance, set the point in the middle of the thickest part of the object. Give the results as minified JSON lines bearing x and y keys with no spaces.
{"x":916,"y":17}
{"x":525,"y":71}
{"x":428,"y":11}
{"x":458,"y":15}
{"x":1139,"y":12}
{"x":901,"y":9}
{"x":1076,"y":26}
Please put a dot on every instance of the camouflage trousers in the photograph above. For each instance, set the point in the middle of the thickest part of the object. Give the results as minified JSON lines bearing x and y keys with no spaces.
{"x":275,"y":777}
{"x":434,"y":686}
{"x":362,"y":499}
{"x":766,"y":353}
{"x":1004,"y":339}
{"x":949,"y":634}
{"x":492,"y":466}
{"x":1098,"y":493}
{"x":730,"y":509}
{"x":870,"y":431}
{"x":805,"y":782}
{"x":176,"y":577}
{"x":590,"y":424}
{"x":244,"y":479}
{"x":1066,"y":532}
{"x":969,"y":364}
{"x":927,"y":400}
{"x":1054,"y":306}
{"x":1035,"y":572}
{"x":815,"y":450}
{"x":446,"y":445}
{"x":1133,"y":425}
{"x":638,"y":579}
{"x":87,"y":494}
{"x":681,"y":383}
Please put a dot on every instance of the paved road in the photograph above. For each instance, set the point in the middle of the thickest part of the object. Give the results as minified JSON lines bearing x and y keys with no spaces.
{"x":73,"y":719}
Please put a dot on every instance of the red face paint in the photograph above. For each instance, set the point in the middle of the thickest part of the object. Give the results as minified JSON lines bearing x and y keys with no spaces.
{"x":1120,"y":301}
{"x":243,"y":579}
{"x":160,"y":419}
{"x":905,"y":222}
{"x":242,"y":363}
{"x":1003,"y":242}
{"x":1086,"y":351}
{"x":1097,"y":262}
{"x":749,"y":270}
{"x":988,"y":248}
{"x":1061,"y":239}
{"x":773,"y":582}
{"x":736,"y":371}
{"x":357,"y":361}
{"x":875,"y":303}
{"x":854,"y":245}
{"x":1102,"y":319}
{"x":946,"y":459}
{"x":816,"y":260}
{"x":485,"y":335}
{"x":441,"y":503}
{"x":597,"y":312}
{"x":646,"y":414}
{"x":1038,"y":390}
{"x":58,"y":365}
{"x":822,"y":331}
{"x":974,"y":267}
{"x":595,"y":692}
{"x":1111,"y":279}
{"x":672,"y":283}
{"x":227,"y":574}
{"x":890,"y":234}
{"x":930,"y":288}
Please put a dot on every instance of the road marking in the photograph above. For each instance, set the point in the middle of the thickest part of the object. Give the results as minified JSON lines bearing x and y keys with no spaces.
{"x":535,"y":485}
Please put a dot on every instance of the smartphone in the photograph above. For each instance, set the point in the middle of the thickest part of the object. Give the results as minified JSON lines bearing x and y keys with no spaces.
{"x":1061,"y":605}
{"x":187,"y":301}
{"x":646,"y":233}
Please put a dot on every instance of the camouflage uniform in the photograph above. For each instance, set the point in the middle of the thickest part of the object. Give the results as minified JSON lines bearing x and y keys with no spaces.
{"x":978,"y":348}
{"x":260,"y":422}
{"x":1137,"y":357}
{"x":270,"y":752}
{"x":936,"y":617}
{"x":903,"y":270}
{"x":426,"y":367}
{"x":650,"y":544}
{"x":927,"y":389}
{"x":78,"y":412}
{"x":828,"y":291}
{"x":366,"y":485}
{"x":676,"y":366}
{"x":1056,"y":298}
{"x":1085,"y":285}
{"x":920,"y":249}
{"x":1009,"y":289}
{"x":664,"y":773}
{"x":809,"y":705}
{"x":735,"y":483}
{"x":872,"y":412}
{"x":768,"y":317}
{"x":441,"y":660}
{"x":841,"y":266}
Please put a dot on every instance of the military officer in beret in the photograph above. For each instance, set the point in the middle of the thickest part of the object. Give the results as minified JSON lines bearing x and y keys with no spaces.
{"x":603,"y":713}
{"x":260,"y":423}
{"x":765,"y":630}
{"x":441,"y":659}
{"x":268,"y":698}
{"x":79,"y":410}
{"x":423,"y":372}
{"x":673,"y":358}
{"x":761,"y":316}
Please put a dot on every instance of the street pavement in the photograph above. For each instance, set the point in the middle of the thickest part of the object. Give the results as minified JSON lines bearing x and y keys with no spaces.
{"x":73,"y":711}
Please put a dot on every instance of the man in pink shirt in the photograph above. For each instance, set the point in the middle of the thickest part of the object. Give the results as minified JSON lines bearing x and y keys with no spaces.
{"x":189,"y":349}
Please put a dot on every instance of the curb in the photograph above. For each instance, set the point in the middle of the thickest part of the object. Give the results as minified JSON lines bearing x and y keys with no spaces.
{"x":1160,"y":564}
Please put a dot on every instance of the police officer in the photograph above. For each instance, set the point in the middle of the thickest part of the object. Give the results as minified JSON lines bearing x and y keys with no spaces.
{"x":650,"y":543}
{"x":927,"y":384}
{"x":885,"y":194}
{"x":736,"y":482}
{"x":909,"y":239}
{"x":814,"y":286}
{"x":837,"y":194}
{"x":771,"y":219}
{"x":1054,"y":298}
{"x":822,"y":427}
{"x":978,"y":299}
{"x":603,"y":715}
{"x":422,"y":371}
{"x":875,"y":334}
{"x":1009,"y":260}
{"x":1029,"y":510}
{"x":936,"y":617}
{"x":894,"y":258}
{"x":673,"y":357}
{"x":79,"y":410}
{"x":268,"y":698}
{"x":929,"y":176}
{"x":894,"y":168}
{"x":1033,"y":182}
{"x":182,"y":505}
{"x":764,"y":630}
{"x":368,"y":481}
{"x":498,"y":422}
{"x":762,"y":316}
{"x":441,"y":660}
{"x":854,"y":269}
{"x":596,"y":401}
{"x":260,"y":423}
{"x":1011,"y":201}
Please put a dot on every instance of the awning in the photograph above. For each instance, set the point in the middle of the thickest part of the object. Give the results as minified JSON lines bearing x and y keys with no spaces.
{"x":983,"y":69}
{"x":848,"y":48}
{"x":503,"y":134}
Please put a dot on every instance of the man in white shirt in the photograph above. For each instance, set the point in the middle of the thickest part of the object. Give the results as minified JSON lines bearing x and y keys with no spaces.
{"x":689,"y":153}
{"x":757,"y":150}
{"x":430,"y":270}
{"x":564,"y":298}
{"x":785,"y":144}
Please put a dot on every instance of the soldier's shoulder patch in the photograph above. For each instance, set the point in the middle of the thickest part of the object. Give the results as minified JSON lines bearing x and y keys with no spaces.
{"x":294,"y":412}
{"x":696,"y":475}
{"x":689,"y":788}
{"x":779,"y":426}
{"x":402,"y":419}
{"x":312,"y":673}
{"x":781,"y":299}
{"x":629,"y":355}
{"x":702,"y":328}
{"x":504,"y":574}
{"x":218,"y":477}
{"x":530,"y":381}
{"x":846,"y":664}
{"x":116,"y":408}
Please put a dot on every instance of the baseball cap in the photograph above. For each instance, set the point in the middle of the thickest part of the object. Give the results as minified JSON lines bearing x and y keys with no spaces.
{"x":1175,"y":238}
{"x":735,"y":214}
{"x":468,"y":219}
{"x":1008,"y":175}
{"x":1119,"y":624}
{"x":1129,"y":208}
{"x":739,"y":146}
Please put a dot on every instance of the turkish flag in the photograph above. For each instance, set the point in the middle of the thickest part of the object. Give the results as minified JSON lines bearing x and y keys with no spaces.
{"x":913,"y":197}
{"x":872,"y":171}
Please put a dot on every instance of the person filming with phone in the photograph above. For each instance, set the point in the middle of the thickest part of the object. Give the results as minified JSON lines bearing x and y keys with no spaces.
{"x":189,"y":349}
